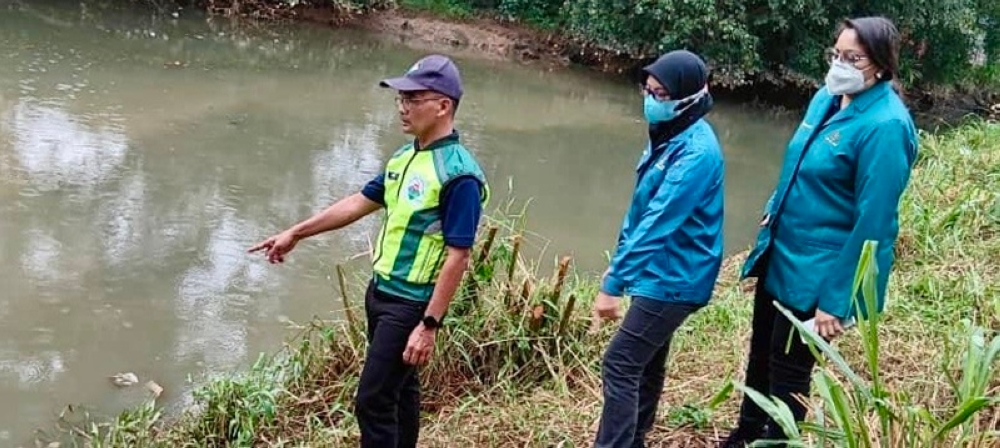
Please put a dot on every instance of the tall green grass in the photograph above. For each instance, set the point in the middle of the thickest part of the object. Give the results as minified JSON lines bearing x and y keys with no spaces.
{"x":852,"y":412}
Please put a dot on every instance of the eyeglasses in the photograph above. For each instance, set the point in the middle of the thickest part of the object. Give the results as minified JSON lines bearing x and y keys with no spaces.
{"x":658,"y":94}
{"x":850,"y":58}
{"x":408,"y":102}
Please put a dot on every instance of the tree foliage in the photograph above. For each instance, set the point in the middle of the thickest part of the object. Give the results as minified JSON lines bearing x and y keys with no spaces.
{"x":943,"y":41}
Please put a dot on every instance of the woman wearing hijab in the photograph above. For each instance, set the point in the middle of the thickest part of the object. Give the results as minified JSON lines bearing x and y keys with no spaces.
{"x":845,"y":169}
{"x":669,"y":249}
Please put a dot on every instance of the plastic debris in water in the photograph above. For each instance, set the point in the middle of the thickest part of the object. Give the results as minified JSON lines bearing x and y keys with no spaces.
{"x":156,"y":389}
{"x":124,"y":379}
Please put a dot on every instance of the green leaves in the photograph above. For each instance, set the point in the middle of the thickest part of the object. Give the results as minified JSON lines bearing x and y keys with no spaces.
{"x":941,"y":41}
{"x":972,"y":388}
{"x":778,"y":411}
{"x":845,"y":414}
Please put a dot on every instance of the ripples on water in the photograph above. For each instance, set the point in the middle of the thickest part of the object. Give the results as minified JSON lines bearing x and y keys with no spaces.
{"x":131,"y":186}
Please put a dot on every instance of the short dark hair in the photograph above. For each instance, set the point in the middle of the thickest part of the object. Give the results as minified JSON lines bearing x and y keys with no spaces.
{"x":880,"y":39}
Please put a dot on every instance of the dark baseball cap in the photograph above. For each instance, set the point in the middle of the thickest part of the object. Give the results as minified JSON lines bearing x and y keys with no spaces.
{"x":435,"y":72}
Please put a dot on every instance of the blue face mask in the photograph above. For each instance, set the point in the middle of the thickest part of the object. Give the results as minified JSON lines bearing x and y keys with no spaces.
{"x":662,"y":111}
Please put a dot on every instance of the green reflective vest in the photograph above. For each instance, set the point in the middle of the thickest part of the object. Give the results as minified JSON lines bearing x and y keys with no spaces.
{"x":411,"y":250}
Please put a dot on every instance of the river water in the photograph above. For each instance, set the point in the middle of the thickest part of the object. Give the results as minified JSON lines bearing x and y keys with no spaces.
{"x":141,"y":155}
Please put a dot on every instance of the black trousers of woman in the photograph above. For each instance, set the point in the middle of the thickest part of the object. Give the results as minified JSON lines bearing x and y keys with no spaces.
{"x":779,"y":365}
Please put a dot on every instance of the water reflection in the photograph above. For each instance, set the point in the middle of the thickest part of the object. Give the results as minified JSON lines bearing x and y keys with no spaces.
{"x":352,"y":159}
{"x":121,"y":214}
{"x":209,"y":303}
{"x":140,"y":156}
{"x":56,"y":150}
{"x":40,"y":256}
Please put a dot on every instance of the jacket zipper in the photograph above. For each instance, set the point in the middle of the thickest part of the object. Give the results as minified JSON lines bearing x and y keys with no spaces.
{"x":399,"y":190}
{"x":402,"y":178}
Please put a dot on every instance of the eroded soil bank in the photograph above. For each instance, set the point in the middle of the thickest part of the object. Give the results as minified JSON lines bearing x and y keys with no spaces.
{"x":493,"y":38}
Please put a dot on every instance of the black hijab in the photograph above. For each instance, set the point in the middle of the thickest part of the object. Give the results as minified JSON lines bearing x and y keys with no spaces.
{"x":683,"y":74}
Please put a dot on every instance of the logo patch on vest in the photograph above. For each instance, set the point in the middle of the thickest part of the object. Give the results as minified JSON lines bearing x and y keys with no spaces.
{"x":415,"y":190}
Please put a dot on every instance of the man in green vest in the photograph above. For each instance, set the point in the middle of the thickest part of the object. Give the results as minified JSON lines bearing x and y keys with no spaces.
{"x":433,"y":192}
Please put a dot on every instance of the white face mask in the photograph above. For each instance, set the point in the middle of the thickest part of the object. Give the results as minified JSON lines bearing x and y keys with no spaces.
{"x":844,"y":79}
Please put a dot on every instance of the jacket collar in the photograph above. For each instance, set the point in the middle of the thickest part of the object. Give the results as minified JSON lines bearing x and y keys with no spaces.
{"x":861,"y":102}
{"x":448,"y":139}
{"x":872,"y":95}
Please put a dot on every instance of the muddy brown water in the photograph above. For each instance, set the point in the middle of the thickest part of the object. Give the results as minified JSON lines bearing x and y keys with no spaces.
{"x":141,"y":155}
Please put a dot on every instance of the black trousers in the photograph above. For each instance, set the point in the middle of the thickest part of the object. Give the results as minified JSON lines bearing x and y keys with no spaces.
{"x":773,"y":370}
{"x":388,"y":401}
{"x":634,"y":370}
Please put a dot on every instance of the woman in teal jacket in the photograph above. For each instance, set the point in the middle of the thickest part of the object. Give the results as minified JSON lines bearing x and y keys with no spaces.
{"x":845,"y":169}
{"x":669,"y":249}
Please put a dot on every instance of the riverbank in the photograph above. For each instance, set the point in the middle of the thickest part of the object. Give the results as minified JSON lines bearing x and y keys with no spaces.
{"x":517,"y":364}
{"x":451,"y":26}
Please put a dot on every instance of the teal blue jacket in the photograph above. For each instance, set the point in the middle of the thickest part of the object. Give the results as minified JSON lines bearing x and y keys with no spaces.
{"x":840,"y":185}
{"x":670,"y":244}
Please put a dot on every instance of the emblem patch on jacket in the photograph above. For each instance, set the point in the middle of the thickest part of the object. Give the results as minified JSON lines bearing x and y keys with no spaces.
{"x":415,"y":190}
{"x":833,"y":138}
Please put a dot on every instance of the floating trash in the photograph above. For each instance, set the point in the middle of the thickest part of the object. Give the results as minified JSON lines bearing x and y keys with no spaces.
{"x":156,"y":389}
{"x":124,"y":379}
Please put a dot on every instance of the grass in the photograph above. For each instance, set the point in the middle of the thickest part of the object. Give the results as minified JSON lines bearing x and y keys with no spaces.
{"x":517,"y":365}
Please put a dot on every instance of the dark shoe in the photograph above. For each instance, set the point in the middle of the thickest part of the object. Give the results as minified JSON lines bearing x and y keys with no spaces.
{"x":777,"y":435}
{"x":741,"y":438}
